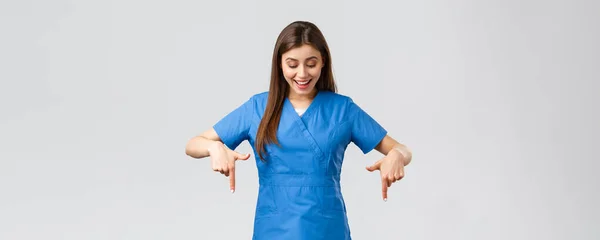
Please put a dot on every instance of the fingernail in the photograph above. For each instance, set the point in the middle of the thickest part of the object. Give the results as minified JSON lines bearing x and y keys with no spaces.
{"x":385,"y":199}
{"x":232,"y":191}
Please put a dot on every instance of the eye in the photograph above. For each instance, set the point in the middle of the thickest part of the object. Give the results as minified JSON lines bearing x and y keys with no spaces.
{"x":292,"y":66}
{"x":312,"y":66}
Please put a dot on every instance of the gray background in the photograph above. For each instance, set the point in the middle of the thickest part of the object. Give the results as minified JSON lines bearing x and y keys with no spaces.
{"x":497,"y":99}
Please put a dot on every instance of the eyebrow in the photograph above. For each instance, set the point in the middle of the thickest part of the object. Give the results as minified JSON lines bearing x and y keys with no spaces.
{"x":310,"y":58}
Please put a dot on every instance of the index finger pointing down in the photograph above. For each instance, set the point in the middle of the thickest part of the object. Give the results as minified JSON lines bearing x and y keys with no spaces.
{"x":232,"y":180}
{"x":384,"y":188}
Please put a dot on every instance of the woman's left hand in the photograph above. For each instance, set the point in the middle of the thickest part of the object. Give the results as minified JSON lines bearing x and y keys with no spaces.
{"x":391,"y":168}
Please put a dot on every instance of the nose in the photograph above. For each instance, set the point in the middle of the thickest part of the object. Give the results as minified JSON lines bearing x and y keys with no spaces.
{"x":302,"y":73}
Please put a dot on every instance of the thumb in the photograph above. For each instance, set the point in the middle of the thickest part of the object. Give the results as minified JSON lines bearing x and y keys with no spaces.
{"x":239,"y":156}
{"x":374,"y":167}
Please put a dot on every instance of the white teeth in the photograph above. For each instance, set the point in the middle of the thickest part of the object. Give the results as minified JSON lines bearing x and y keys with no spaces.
{"x":303,"y":83}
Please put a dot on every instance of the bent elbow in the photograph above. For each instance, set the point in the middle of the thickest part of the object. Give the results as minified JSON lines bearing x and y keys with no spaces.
{"x":190,"y":150}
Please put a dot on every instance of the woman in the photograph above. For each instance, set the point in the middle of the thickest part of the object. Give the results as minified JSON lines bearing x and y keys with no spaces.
{"x":299,"y":131}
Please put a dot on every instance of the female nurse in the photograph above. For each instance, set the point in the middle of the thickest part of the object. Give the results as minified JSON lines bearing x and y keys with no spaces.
{"x":299,"y":131}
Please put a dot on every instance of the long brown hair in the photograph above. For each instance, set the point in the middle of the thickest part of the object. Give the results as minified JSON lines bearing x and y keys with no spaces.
{"x":293,"y":35}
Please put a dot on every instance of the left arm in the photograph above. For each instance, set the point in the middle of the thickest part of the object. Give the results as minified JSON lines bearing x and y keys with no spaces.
{"x":390,"y":144}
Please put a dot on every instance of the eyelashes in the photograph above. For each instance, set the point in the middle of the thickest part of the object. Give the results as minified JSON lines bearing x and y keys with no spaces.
{"x":295,"y":66}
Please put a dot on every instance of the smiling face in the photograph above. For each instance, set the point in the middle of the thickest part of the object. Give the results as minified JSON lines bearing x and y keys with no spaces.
{"x":301,"y":67}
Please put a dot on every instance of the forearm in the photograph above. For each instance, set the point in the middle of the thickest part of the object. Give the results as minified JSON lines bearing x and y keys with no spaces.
{"x":390,"y":146}
{"x":198,"y":147}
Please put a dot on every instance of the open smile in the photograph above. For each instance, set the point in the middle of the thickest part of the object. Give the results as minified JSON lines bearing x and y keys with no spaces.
{"x":301,"y":83}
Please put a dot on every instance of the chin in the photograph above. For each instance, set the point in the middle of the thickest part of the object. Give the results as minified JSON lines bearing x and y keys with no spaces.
{"x":304,"y":91}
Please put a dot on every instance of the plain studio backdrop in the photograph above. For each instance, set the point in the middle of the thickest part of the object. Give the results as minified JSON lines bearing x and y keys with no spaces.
{"x":497,"y":99}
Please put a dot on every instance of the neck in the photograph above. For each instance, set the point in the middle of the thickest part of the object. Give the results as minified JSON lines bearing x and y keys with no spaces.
{"x":302,"y":97}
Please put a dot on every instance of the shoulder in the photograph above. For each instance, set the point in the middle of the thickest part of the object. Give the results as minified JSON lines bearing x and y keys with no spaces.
{"x":338,"y":107}
{"x":338,"y":100}
{"x":256,"y":99}
{"x":256,"y":103}
{"x":335,"y":97}
{"x":261,"y":96}
{"x":259,"y":100}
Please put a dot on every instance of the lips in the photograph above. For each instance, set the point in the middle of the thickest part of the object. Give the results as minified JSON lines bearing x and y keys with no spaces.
{"x":303,"y":82}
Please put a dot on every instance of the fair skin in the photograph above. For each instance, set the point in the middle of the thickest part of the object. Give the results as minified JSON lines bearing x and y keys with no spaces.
{"x":300,"y":65}
{"x":391,"y":166}
{"x":301,"y":68}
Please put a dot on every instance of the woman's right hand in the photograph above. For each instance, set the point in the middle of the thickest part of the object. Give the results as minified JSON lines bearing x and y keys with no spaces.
{"x":222,"y":159}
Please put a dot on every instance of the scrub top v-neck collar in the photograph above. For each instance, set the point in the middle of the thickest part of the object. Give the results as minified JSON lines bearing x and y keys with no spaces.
{"x":302,"y":122}
{"x":309,"y":109}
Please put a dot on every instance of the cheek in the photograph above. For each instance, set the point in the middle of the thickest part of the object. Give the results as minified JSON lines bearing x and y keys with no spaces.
{"x":315,"y":72}
{"x":288,"y":74}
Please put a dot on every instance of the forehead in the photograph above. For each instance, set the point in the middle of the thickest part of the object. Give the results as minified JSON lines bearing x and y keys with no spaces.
{"x":303,"y":52}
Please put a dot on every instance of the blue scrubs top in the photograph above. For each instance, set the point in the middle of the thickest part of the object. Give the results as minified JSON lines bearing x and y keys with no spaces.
{"x":299,"y":196}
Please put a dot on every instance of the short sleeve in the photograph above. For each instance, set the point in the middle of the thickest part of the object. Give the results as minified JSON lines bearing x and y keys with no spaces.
{"x":234,"y":127}
{"x":366,"y":133}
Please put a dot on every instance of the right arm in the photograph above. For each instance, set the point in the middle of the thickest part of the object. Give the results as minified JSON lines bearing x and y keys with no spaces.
{"x":199,"y":146}
{"x":222,"y":158}
{"x":218,"y":142}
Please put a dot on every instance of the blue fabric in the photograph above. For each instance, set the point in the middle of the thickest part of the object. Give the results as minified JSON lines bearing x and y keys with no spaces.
{"x":299,"y":194}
